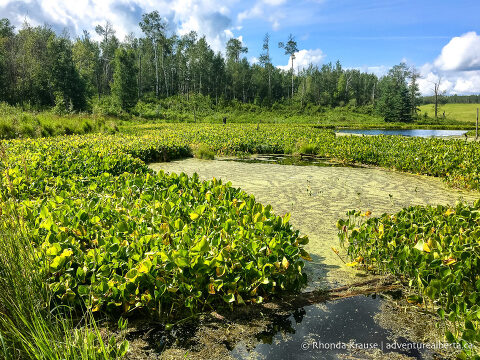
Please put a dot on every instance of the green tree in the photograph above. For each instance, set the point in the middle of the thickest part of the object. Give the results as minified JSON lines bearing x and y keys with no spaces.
{"x":235,"y":49}
{"x":218,"y":68}
{"x":6,"y":43}
{"x":64,"y":79}
{"x":394,"y":101}
{"x":154,"y":27}
{"x":290,"y":48}
{"x":235,"y":68}
{"x":108,"y":45}
{"x":124,"y":87}
{"x":266,"y":61}
{"x":86,"y":56}
{"x":414,"y":90}
{"x":31,"y":70}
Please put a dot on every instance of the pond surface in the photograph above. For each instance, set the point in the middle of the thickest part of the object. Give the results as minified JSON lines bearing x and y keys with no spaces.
{"x":317,"y":196}
{"x":330,"y":330}
{"x":424,"y":133}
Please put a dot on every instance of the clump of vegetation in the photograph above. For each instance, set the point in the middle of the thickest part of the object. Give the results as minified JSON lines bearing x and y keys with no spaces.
{"x":305,"y":147}
{"x":436,"y":250}
{"x":16,"y":123}
{"x":31,"y":325}
{"x":204,"y":152}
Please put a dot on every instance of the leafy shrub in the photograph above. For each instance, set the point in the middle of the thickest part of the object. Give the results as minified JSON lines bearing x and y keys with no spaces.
{"x":61,"y":107}
{"x":172,"y":243}
{"x":7,"y":131}
{"x":436,"y":249}
{"x":107,"y":106}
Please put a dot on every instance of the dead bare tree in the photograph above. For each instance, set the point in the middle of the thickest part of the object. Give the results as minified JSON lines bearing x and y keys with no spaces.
{"x":436,"y":89}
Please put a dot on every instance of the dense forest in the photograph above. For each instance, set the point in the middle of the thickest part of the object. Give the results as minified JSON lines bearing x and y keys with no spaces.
{"x":41,"y":69}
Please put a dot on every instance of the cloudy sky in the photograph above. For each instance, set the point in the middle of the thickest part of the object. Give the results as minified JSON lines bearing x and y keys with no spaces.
{"x":440,"y":37}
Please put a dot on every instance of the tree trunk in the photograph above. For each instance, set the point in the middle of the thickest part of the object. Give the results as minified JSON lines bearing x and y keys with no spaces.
{"x":156,"y":68}
{"x":194,"y":110}
{"x":436,"y":88}
{"x":373,"y":94}
{"x":243,"y":88}
{"x":164,"y":73}
{"x":292,"y":76}
{"x":139,"y":76}
{"x":269,"y":83}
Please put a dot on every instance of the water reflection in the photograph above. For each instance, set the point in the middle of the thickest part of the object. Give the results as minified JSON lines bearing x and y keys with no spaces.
{"x":425,"y":133}
{"x":317,"y":332}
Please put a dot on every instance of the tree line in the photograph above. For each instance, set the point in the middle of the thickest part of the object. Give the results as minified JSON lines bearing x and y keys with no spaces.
{"x":41,"y":69}
{"x":451,"y":99}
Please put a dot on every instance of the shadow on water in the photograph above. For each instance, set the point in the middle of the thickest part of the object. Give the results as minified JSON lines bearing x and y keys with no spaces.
{"x":304,"y":160}
{"x":324,"y":332}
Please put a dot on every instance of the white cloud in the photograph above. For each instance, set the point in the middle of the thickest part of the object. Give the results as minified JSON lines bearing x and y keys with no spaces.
{"x":274,"y":2}
{"x":255,"y":11}
{"x":303,"y":58}
{"x":253,"y":60}
{"x":205,"y":17}
{"x":458,"y":82}
{"x":269,"y":10}
{"x":461,"y":53}
{"x":379,"y":71}
{"x":275,"y":25}
{"x":457,"y":68}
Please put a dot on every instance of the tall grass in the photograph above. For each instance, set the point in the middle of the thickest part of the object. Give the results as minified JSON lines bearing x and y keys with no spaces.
{"x":16,"y":123}
{"x":203,"y":152}
{"x":30,"y":326}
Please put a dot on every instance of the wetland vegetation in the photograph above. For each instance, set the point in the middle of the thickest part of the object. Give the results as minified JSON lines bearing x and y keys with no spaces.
{"x":110,"y":236}
{"x":100,"y":226}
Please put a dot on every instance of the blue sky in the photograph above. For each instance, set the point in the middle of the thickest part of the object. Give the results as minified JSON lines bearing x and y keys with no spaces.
{"x":372,"y":33}
{"x":441,"y":38}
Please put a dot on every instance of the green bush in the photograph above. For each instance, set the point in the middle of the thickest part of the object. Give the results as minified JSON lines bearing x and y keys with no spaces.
{"x":107,"y":106}
{"x":435,"y":249}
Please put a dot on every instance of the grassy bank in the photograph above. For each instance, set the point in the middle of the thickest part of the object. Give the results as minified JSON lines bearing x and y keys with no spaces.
{"x":180,"y":110}
{"x":465,"y":113}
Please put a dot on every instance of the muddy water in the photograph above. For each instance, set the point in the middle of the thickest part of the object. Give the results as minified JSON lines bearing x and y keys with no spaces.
{"x":317,"y":196}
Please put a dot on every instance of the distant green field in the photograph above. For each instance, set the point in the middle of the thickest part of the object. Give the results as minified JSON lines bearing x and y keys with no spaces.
{"x":460,"y":112}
